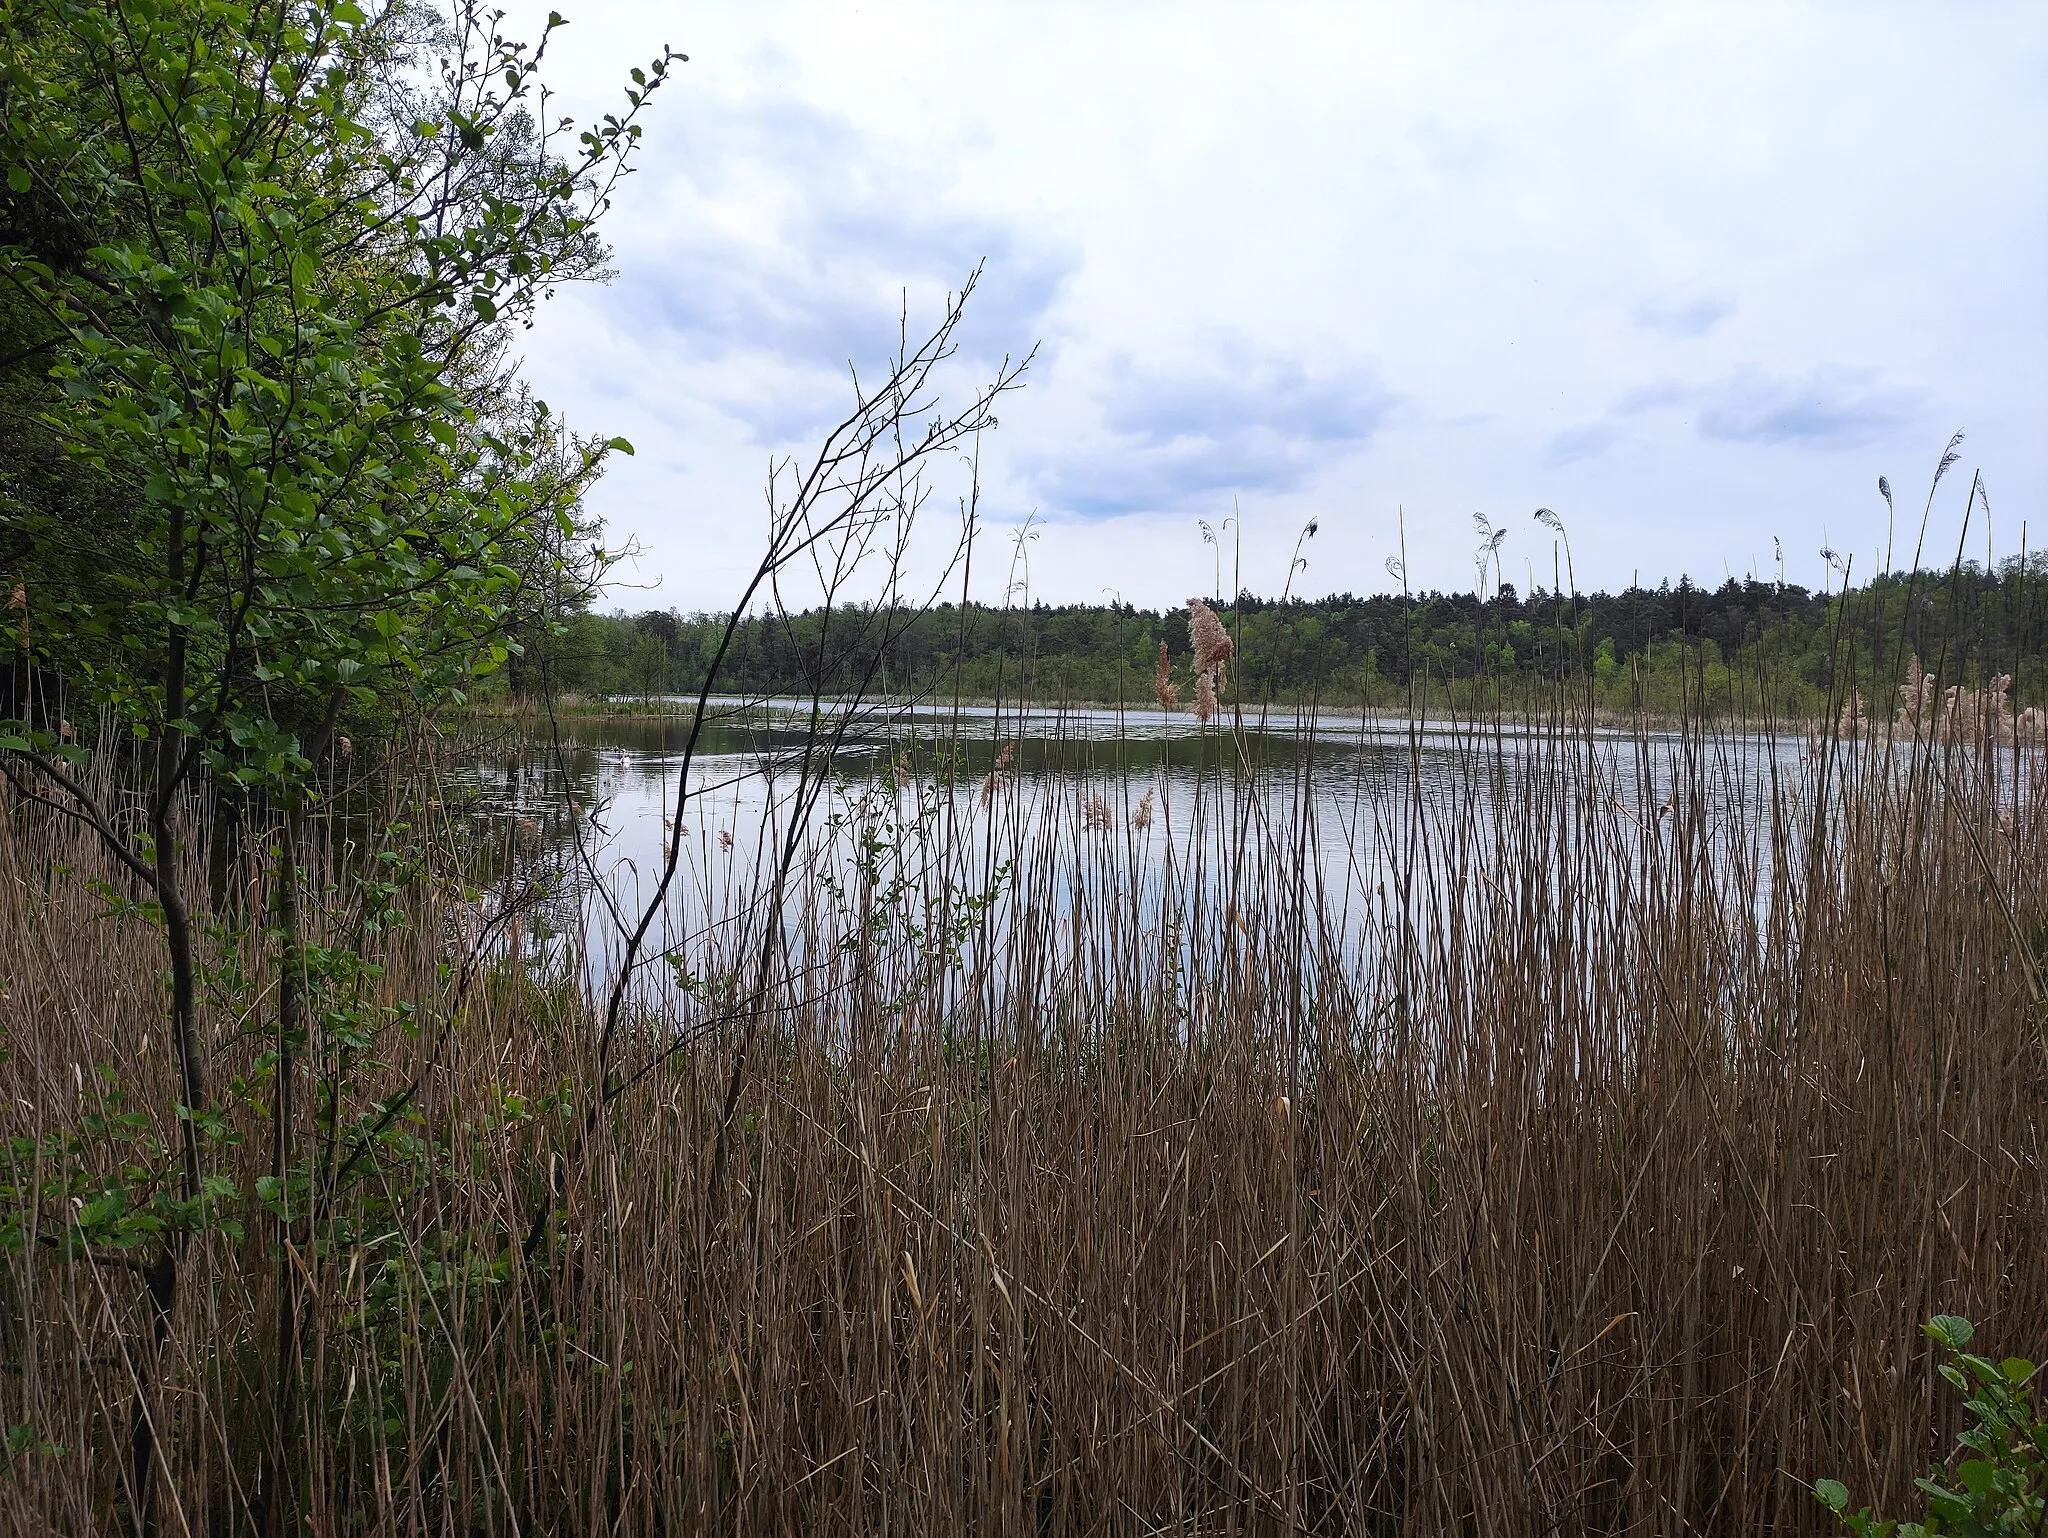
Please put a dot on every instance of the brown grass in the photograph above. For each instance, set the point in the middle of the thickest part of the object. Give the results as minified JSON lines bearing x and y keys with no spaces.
{"x":1599,"y":1188}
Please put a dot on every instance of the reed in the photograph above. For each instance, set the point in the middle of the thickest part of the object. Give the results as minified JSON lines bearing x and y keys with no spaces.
{"x":1572,"y":1144}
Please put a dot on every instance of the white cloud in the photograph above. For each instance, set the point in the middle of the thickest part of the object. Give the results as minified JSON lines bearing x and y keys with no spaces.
{"x":1693,"y":275}
{"x":1689,"y":316}
{"x":1589,"y":440}
{"x":1226,"y":416}
{"x":1830,"y":408}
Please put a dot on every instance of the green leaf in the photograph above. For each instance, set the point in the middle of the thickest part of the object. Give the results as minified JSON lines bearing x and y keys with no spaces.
{"x":1977,"y":1476}
{"x":1950,"y":1330}
{"x":620,"y":444}
{"x":484,"y":305}
{"x":1944,"y":1503}
{"x":17,"y":179}
{"x":1831,"y":1493}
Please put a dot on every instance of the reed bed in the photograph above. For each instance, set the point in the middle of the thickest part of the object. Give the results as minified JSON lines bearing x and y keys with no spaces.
{"x":1581,"y":1157}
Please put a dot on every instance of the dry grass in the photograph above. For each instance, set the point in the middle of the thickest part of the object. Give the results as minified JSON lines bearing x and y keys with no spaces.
{"x":1599,"y":1188}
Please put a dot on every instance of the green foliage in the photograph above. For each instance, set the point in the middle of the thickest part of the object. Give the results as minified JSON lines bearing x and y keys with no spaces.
{"x":265,"y":469}
{"x":1998,"y":1487}
{"x":24,"y":1442}
{"x":107,"y":1185}
{"x":893,"y":845}
{"x":1769,"y":645}
{"x":272,"y":289}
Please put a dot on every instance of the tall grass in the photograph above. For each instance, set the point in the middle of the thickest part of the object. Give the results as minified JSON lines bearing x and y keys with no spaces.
{"x":1577,"y":1154}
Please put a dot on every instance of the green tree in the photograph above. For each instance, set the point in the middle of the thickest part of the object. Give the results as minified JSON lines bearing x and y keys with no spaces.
{"x":648,"y":664}
{"x":261,"y":263}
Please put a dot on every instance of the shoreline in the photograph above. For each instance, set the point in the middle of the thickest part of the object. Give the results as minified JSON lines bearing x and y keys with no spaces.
{"x":659,"y":710}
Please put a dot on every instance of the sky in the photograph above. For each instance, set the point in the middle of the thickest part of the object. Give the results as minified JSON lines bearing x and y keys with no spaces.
{"x":1692,"y":275}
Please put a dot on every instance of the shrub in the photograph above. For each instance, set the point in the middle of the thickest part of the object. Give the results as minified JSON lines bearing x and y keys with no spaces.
{"x":1999,"y":1488}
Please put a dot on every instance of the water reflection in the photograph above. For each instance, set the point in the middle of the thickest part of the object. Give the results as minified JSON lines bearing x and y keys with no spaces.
{"x":1165,"y":805}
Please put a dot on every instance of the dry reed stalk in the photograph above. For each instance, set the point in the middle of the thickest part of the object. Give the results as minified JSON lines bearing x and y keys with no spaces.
{"x":1853,"y":723}
{"x":1915,"y":697}
{"x":1590,"y":1176}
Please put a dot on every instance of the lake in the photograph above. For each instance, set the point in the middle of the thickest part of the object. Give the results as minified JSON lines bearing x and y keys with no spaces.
{"x":1047,"y":808}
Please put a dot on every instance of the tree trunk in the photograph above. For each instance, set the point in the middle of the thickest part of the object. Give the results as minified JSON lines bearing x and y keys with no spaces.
{"x":164,"y":1275}
{"x":277,"y":1497}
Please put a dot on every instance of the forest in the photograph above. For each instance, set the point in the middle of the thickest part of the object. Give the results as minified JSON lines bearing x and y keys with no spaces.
{"x":1778,"y":647}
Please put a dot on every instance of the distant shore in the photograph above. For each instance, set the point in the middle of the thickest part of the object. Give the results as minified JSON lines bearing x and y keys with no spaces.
{"x":678,"y":708}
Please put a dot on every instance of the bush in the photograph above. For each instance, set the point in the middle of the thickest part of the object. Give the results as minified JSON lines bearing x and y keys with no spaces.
{"x":2001,"y":1490}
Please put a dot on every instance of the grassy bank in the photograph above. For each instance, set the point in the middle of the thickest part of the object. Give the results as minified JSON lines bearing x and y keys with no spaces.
{"x":1593,"y":1175}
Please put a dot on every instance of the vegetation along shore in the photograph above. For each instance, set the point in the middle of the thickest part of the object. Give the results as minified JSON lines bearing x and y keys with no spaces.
{"x":1747,"y":649}
{"x":1604,"y":1097}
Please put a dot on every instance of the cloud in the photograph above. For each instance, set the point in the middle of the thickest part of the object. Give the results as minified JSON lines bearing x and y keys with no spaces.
{"x":1244,"y":419}
{"x":1513,"y":215}
{"x":1652,"y":397}
{"x":1587,"y":441}
{"x":792,"y":252}
{"x":1683,"y":319}
{"x":1830,"y":408}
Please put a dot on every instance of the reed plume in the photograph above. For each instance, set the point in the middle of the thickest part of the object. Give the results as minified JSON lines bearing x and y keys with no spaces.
{"x":1212,"y":643}
{"x":1958,"y":713}
{"x":1163,"y":686}
{"x":998,"y":772}
{"x":1213,"y":648}
{"x":1998,"y":710}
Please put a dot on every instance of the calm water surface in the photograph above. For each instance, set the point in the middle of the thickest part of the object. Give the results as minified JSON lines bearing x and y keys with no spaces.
{"x":1339,"y":801}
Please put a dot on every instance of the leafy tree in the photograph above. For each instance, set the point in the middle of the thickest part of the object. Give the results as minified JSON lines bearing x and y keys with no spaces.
{"x":1748,"y":640}
{"x":649,"y":663}
{"x":261,"y":264}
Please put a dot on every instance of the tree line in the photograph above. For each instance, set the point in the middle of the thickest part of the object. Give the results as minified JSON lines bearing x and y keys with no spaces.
{"x":1778,"y":645}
